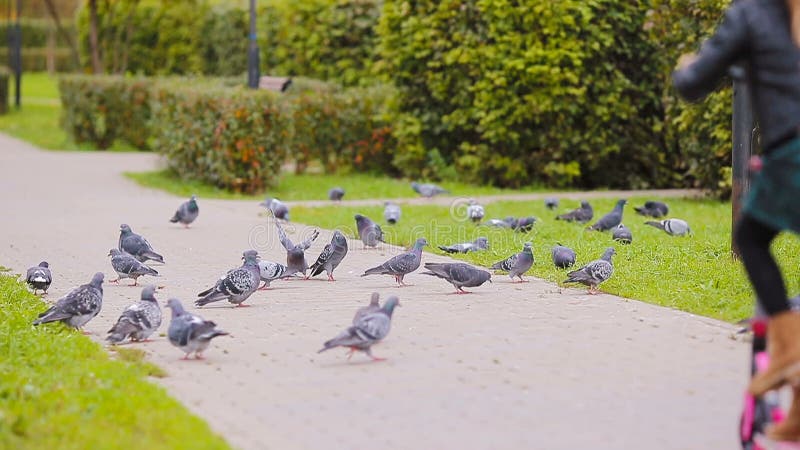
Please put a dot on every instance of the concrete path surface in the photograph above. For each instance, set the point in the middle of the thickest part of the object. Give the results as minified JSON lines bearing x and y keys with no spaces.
{"x":512,"y":366}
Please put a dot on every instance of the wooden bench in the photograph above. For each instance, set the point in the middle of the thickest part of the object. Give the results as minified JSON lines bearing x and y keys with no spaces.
{"x":277,"y":84}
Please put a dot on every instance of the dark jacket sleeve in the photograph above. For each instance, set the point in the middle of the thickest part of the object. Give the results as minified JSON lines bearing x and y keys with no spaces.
{"x":718,"y":53}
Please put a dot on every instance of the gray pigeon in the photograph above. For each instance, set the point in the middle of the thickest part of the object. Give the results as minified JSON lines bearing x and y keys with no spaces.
{"x":237,"y":285}
{"x":551,"y":203}
{"x":524,"y":224}
{"x":460,"y":275}
{"x":127,"y":266}
{"x":475,"y":211}
{"x":369,"y":232}
{"x":336,"y":194}
{"x":136,"y":245}
{"x":477,"y":245}
{"x":653,"y":209}
{"x":278,"y":208}
{"x":428,"y":190}
{"x":39,"y":277}
{"x":270,"y":271}
{"x":517,"y":264}
{"x":595,"y":272}
{"x":400,"y":265}
{"x":331,"y":256}
{"x":580,"y":215}
{"x":295,"y":254}
{"x":563,"y":257}
{"x":622,"y":234}
{"x":673,"y":227}
{"x":508,"y":222}
{"x":610,"y":220}
{"x":187,"y":212}
{"x":78,"y":307}
{"x":139,"y":320}
{"x":190,"y":332}
{"x":391,"y":213}
{"x":368,"y":331}
{"x":369,"y":309}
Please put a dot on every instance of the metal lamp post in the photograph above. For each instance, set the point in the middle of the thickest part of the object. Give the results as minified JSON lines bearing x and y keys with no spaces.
{"x":252,"y":50}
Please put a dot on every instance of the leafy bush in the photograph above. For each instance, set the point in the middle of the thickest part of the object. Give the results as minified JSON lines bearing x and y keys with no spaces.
{"x":233,"y":138}
{"x":101,"y":109}
{"x":223,"y":41}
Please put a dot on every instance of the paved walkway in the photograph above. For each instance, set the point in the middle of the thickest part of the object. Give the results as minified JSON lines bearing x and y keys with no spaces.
{"x":509,"y":367}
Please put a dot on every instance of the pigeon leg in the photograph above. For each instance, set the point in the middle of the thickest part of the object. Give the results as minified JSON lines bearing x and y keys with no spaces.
{"x":115,"y":281}
{"x":374,"y":358}
{"x":198,"y":355}
{"x":242,"y":305}
{"x":135,"y":282}
{"x":86,"y":333}
{"x":330,"y":277}
{"x":350,"y":353}
{"x":186,"y":226}
{"x":185,"y":357}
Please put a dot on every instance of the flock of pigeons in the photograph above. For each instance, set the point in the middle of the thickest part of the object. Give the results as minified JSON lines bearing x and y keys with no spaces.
{"x":192,"y":334}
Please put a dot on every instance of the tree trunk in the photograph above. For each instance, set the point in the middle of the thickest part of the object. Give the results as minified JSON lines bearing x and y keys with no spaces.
{"x":51,"y":9}
{"x":94,"y":46}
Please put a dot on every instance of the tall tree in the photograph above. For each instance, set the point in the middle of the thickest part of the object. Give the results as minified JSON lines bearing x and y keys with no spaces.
{"x":97,"y":66}
{"x":51,"y":9}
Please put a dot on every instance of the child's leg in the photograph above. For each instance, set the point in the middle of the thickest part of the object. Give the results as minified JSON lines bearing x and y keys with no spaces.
{"x":753,"y":239}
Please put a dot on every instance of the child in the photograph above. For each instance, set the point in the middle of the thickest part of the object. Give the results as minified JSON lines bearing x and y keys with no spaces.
{"x":764,"y":37}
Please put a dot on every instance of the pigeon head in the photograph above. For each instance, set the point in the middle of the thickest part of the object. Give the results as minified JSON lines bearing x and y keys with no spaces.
{"x":482,"y":243}
{"x":585,"y":204}
{"x":484,"y":276}
{"x":373,"y":300}
{"x":250,"y":256}
{"x":526,"y":246}
{"x":390,"y":304}
{"x":125,"y":228}
{"x":414,"y":185}
{"x":359,"y":218}
{"x":267,"y":203}
{"x":175,"y":305}
{"x":194,"y":197}
{"x":148,"y":293}
{"x":421,"y":242}
{"x":44,"y":264}
{"x":114,"y":252}
{"x":339,"y":238}
{"x":608,"y":254}
{"x":621,"y":202}
{"x":472,"y":201}
{"x":97,"y":279}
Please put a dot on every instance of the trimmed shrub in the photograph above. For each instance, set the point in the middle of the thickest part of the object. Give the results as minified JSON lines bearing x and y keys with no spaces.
{"x":101,"y":109}
{"x":5,"y":76}
{"x":234,"y":138}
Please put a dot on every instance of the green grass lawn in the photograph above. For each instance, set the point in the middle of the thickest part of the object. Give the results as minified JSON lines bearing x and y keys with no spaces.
{"x":37,"y":121}
{"x":59,"y":389}
{"x":695,"y":274}
{"x":310,"y":186}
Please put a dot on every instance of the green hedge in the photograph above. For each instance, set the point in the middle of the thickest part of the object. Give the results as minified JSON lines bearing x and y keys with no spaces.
{"x":101,"y":109}
{"x":234,"y":138}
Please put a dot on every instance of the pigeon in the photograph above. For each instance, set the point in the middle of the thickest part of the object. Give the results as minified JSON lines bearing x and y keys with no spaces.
{"x":270,"y":271}
{"x":187,"y":212}
{"x":277,"y":207}
{"x":580,"y":215}
{"x":369,"y":232}
{"x":368,"y":331}
{"x":237,"y":285}
{"x":508,"y":222}
{"x":391,"y":212}
{"x":78,"y":307}
{"x":517,"y":264}
{"x":551,"y":203}
{"x":594,"y":272}
{"x":563,"y":257}
{"x":295,"y":254}
{"x":127,"y":266}
{"x":139,"y":320}
{"x":475,"y":211}
{"x":525,"y":224}
{"x":653,"y":209}
{"x":336,"y":194}
{"x":673,"y":227}
{"x":622,"y":234}
{"x":477,"y":245}
{"x":401,"y":265}
{"x":610,"y":220}
{"x":190,"y":332}
{"x":371,"y":308}
{"x":428,"y":190}
{"x":331,"y":256}
{"x":39,"y":277}
{"x":136,"y":245}
{"x":460,"y":275}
